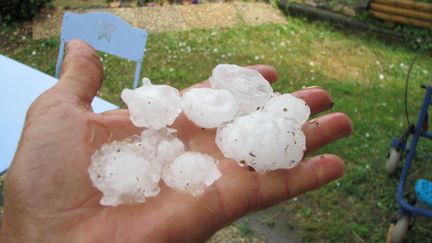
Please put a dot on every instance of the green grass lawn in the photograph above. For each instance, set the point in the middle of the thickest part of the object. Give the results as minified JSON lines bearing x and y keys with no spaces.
{"x":79,"y":3}
{"x":365,"y":76}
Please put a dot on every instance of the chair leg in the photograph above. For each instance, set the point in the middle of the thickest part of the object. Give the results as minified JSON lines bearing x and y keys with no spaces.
{"x":137,"y":74}
{"x":60,"y":59}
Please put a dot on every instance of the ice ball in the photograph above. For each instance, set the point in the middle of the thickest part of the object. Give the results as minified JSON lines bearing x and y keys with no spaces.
{"x":191,"y":172}
{"x":152,"y":106}
{"x":208,"y":107}
{"x":124,"y":174}
{"x":289,"y":107}
{"x":295,"y":144}
{"x":261,"y":141}
{"x":161,"y":145}
{"x":250,"y":89}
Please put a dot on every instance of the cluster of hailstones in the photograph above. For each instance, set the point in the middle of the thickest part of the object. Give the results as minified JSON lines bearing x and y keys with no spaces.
{"x":255,"y":127}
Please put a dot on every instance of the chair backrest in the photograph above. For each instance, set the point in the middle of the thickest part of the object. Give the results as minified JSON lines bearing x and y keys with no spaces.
{"x":107,"y":33}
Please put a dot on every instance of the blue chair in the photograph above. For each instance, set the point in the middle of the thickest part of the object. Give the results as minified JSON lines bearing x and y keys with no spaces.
{"x":107,"y":33}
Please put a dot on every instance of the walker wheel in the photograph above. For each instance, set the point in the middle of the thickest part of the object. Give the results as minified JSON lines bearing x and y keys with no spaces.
{"x":398,"y":230}
{"x":392,"y":161}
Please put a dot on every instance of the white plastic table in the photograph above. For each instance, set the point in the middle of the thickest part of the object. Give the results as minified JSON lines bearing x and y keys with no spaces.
{"x":20,"y":85}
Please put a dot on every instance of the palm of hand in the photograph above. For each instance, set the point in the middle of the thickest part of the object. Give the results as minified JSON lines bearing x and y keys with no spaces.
{"x":48,"y":190}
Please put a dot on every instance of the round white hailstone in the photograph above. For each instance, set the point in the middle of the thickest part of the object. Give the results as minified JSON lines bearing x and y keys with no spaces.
{"x":250,"y":89}
{"x":124,"y":174}
{"x":161,"y":145}
{"x":289,"y":107}
{"x":295,"y":144}
{"x":152,"y":106}
{"x":208,"y":107}
{"x":191,"y":172}
{"x":261,"y":141}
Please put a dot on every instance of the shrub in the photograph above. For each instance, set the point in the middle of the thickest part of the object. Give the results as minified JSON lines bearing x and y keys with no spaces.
{"x":19,"y":10}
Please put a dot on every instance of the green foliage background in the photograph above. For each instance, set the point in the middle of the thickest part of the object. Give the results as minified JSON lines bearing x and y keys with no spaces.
{"x":18,"y":10}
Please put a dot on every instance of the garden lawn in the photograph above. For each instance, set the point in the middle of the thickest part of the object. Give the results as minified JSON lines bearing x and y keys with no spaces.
{"x":365,"y":76}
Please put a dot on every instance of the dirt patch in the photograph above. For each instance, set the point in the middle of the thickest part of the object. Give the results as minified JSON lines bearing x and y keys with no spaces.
{"x":47,"y":23}
{"x":157,"y":19}
{"x":171,"y":17}
{"x":210,"y":15}
{"x":258,"y":13}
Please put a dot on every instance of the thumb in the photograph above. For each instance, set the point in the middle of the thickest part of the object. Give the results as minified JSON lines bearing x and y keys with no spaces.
{"x":81,"y":72}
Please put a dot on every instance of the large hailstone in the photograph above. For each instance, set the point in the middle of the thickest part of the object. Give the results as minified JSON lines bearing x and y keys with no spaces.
{"x":191,"y":172}
{"x":124,"y":173}
{"x":208,"y":107}
{"x":262,"y":141}
{"x":289,"y":107}
{"x":161,"y":145}
{"x":250,"y":89}
{"x":152,"y":106}
{"x":295,"y":144}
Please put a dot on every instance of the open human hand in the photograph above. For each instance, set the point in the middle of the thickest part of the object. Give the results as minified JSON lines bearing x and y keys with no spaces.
{"x":49,"y":196}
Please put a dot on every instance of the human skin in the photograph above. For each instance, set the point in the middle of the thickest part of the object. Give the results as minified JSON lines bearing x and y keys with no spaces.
{"x":49,"y":196}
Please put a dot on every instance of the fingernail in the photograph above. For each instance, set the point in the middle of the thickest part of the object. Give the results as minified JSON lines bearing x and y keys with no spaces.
{"x":312,"y":121}
{"x":313,"y":87}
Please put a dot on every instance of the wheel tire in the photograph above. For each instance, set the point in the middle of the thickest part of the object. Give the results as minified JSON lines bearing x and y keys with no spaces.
{"x":400,"y":229}
{"x":392,"y":161}
{"x":390,"y":233}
